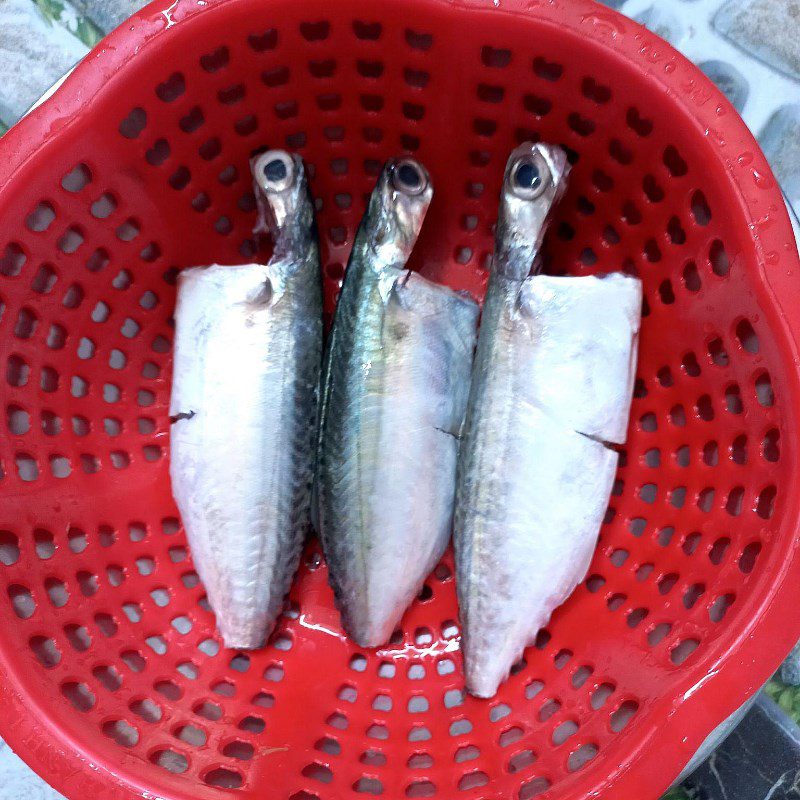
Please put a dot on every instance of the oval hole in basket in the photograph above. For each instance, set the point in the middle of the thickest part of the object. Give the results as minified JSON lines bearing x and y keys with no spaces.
{"x":134,"y":660}
{"x":170,"y":760}
{"x":133,"y":125}
{"x":121,"y":732}
{"x":172,"y":88}
{"x":765,"y":504}
{"x":44,"y":280}
{"x":40,"y":219}
{"x":748,"y":558}
{"x":317,"y":772}
{"x":720,"y":607}
{"x":9,"y":548}
{"x":78,"y":636}
{"x":533,"y":788}
{"x":256,"y":725}
{"x":77,"y":179}
{"x":683,"y":650}
{"x":12,"y":260}
{"x":473,"y":780}
{"x":79,"y":694}
{"x":700,"y":209}
{"x":770,"y":448}
{"x":147,"y":709}
{"x":372,"y":758}
{"x":223,"y":778}
{"x":495,"y":57}
{"x":191,"y":734}
{"x":57,"y":592}
{"x":169,"y":689}
{"x":623,"y":715}
{"x":17,"y":371}
{"x":208,"y":710}
{"x":46,"y":651}
{"x":420,"y":761}
{"x":674,"y":162}
{"x":22,"y":601}
{"x":367,"y":785}
{"x":108,"y":677}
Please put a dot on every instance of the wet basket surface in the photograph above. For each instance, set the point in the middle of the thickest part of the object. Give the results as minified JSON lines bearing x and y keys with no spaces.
{"x":112,"y":682}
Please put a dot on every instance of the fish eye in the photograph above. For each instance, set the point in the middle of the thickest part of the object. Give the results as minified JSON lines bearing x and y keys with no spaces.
{"x":275,"y":170}
{"x":529,"y":177}
{"x":408,"y":177}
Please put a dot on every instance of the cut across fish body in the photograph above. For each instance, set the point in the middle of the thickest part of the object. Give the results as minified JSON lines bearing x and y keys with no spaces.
{"x":396,"y":386}
{"x":551,"y":385}
{"x":247,"y":358}
{"x":582,"y":368}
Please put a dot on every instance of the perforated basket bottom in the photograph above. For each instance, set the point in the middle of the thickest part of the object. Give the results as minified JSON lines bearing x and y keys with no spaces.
{"x":115,"y":683}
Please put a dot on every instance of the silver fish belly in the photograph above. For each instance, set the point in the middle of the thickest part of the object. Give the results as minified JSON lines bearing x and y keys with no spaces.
{"x":395,"y":390}
{"x":551,"y":384}
{"x":248,"y":348}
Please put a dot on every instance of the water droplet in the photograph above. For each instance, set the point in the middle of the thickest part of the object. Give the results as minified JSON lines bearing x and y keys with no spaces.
{"x":745,"y":159}
{"x":765,"y":221}
{"x":608,"y":23}
{"x":772,"y":257}
{"x":762,"y":181}
{"x":718,"y":135}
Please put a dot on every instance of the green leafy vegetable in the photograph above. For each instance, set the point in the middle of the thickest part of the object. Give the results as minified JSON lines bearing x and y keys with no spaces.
{"x":65,"y":14}
{"x":787,"y":697}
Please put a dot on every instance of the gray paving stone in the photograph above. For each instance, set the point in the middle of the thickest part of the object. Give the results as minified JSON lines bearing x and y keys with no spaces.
{"x":766,"y":29}
{"x":780,"y":141}
{"x":790,"y":671}
{"x":109,"y":14}
{"x":663,"y":23}
{"x":730,"y":81}
{"x":17,"y":782}
{"x":760,"y":760}
{"x":65,"y":14}
{"x":33,"y":55}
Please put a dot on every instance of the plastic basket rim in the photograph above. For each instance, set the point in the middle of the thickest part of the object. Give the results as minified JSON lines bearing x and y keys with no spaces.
{"x":749,"y":656}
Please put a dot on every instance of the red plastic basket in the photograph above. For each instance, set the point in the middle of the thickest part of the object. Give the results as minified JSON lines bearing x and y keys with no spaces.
{"x":113,"y":684}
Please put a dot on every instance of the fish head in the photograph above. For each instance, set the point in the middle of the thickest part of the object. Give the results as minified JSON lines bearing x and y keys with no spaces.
{"x":397,"y":209}
{"x":535,"y":180}
{"x":285,"y":209}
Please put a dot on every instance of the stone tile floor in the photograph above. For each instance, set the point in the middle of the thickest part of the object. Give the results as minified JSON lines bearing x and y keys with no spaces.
{"x":750,"y":48}
{"x":17,"y":782}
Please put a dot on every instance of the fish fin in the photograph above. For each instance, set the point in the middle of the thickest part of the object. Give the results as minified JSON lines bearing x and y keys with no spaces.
{"x":262,"y":296}
{"x":525,"y":301}
{"x":269,"y":291}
